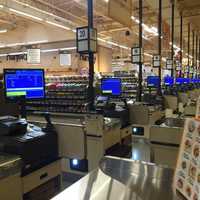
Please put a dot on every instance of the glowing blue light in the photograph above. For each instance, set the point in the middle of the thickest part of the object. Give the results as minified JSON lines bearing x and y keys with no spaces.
{"x":74,"y":162}
{"x":135,"y":130}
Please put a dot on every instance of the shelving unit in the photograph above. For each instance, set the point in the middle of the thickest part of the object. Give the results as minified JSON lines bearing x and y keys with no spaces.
{"x":63,"y":94}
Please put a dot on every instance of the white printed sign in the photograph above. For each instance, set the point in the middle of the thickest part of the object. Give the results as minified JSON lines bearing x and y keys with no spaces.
{"x":198,"y":108}
{"x":33,"y":56}
{"x":65,"y":60}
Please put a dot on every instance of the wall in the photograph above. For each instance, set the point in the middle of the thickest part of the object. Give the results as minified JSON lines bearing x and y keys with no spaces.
{"x":104,"y":59}
{"x":51,"y":61}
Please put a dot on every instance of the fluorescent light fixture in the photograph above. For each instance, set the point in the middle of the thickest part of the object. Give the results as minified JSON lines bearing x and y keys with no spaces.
{"x":153,"y":30}
{"x":189,"y":55}
{"x":23,"y":43}
{"x":134,"y":19}
{"x":1,"y":6}
{"x":42,"y":51}
{"x":16,"y":53}
{"x":113,"y":44}
{"x":3,"y":55}
{"x":41,"y":11}
{"x":37,"y":42}
{"x":49,"y":50}
{"x":3,"y":31}
{"x":25,"y":14}
{"x":149,"y":55}
{"x":175,"y":46}
{"x":58,"y":25}
{"x":67,"y":48}
{"x":14,"y":44}
{"x":56,"y":50}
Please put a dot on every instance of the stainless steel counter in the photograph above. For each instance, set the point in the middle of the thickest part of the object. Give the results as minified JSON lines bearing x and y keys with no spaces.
{"x":122,"y":179}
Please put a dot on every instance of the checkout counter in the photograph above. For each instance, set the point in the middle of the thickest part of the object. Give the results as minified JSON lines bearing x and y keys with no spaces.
{"x":36,"y":166}
{"x":165,"y":139}
{"x":95,"y":135}
{"x":143,"y":116}
{"x":10,"y":179}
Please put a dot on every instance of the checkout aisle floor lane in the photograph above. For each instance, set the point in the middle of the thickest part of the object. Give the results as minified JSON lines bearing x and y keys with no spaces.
{"x":140,"y":150}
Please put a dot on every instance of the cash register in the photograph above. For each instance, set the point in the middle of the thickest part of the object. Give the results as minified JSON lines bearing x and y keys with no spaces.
{"x":36,"y":146}
{"x":110,"y":103}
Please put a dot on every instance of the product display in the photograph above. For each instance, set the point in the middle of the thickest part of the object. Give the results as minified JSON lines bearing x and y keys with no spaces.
{"x":63,"y":94}
{"x":187,"y":180}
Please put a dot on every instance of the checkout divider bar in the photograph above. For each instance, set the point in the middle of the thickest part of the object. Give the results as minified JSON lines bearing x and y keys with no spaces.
{"x":58,"y":123}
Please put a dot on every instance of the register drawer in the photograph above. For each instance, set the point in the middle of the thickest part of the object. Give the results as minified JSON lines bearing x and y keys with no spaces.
{"x":41,"y":176}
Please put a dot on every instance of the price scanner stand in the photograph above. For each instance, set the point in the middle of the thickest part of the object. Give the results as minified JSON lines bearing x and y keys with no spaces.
{"x":111,"y":105}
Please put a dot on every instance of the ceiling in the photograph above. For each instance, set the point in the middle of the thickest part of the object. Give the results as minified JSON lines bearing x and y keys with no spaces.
{"x":73,"y":13}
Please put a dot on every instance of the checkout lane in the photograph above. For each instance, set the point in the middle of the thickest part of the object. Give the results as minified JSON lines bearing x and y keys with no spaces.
{"x":96,"y":134}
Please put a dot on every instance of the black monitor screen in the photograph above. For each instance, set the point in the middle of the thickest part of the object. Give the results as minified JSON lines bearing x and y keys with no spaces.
{"x":28,"y":83}
{"x":111,"y":86}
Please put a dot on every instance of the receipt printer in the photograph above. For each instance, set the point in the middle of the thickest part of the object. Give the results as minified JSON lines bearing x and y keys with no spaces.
{"x":12,"y":126}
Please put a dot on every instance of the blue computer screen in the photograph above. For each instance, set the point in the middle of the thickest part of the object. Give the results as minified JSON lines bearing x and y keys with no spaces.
{"x":168,"y":81}
{"x":111,"y":86}
{"x":28,"y":83}
{"x":186,"y":80}
{"x":194,"y":80}
{"x":153,"y":81}
{"x":179,"y":81}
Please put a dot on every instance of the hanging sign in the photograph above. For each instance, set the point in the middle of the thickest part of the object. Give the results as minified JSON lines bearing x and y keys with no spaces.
{"x":33,"y":56}
{"x":178,"y":65}
{"x":121,"y":11}
{"x":136,"y":55}
{"x":187,"y":69}
{"x":169,"y":64}
{"x":156,"y":61}
{"x":86,"y":40}
{"x":191,"y":70}
{"x":187,"y":175}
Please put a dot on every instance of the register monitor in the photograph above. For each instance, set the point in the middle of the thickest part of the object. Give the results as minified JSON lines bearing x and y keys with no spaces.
{"x":153,"y":81}
{"x":111,"y":86}
{"x":24,"y":83}
{"x":168,"y":81}
{"x":179,"y":81}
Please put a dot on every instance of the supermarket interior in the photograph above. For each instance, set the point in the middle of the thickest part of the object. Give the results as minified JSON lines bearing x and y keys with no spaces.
{"x":100,"y":99}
